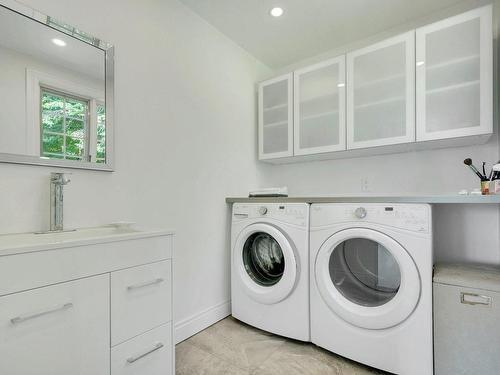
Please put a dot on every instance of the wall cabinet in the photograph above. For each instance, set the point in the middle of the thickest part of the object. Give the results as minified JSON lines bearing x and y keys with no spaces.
{"x":381,"y":93}
{"x":432,"y":84}
{"x":455,"y":77}
{"x":319,"y":107}
{"x":276,"y":117}
{"x":106,"y":312}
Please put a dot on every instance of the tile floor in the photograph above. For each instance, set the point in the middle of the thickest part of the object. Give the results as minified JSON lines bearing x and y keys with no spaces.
{"x":233,"y":348}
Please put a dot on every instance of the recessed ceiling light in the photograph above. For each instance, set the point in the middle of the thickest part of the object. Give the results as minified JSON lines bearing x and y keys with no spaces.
{"x":276,"y":12}
{"x":341,"y":85}
{"x":420,"y":63}
{"x":59,"y":42}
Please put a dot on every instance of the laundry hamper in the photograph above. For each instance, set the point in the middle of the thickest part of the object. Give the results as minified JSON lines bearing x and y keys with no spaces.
{"x":466,"y":320}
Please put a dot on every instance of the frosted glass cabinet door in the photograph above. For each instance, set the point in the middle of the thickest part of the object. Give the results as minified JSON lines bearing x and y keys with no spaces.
{"x":381,"y":93}
{"x":455,"y":76}
{"x":276,"y":117}
{"x":319,"y":108}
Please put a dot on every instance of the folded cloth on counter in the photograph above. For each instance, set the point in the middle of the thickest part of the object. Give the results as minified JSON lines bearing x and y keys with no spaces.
{"x":269,"y":192}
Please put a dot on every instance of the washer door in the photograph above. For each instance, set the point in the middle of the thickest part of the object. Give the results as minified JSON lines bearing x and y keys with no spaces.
{"x":367,"y":278}
{"x":264,"y":263}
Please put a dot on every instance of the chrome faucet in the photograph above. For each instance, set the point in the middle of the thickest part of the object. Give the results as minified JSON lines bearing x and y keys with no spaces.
{"x":57,"y":182}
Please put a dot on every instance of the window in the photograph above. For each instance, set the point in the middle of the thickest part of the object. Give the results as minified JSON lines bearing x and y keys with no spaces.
{"x":65,"y":126}
{"x":101,"y":134}
{"x":72,"y":128}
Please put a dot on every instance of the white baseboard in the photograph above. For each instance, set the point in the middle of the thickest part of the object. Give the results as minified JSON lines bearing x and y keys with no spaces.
{"x":198,"y":322}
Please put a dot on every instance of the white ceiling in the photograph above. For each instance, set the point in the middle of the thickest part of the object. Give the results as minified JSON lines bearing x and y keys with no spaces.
{"x":308,"y":27}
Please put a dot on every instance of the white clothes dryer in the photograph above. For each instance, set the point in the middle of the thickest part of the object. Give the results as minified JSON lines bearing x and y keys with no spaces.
{"x":371,"y":284}
{"x":270,"y":267}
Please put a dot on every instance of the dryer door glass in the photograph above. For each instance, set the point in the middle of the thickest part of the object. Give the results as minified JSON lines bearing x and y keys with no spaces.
{"x":263,"y":259}
{"x":364,"y":272}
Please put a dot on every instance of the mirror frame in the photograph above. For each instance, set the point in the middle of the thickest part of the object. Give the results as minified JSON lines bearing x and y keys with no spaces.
{"x":108,"y":49}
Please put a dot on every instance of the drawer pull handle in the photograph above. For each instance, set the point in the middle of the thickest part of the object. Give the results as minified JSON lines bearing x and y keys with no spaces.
{"x":23,"y":318}
{"x":474,"y":299}
{"x":134,"y":359}
{"x":147,"y":283}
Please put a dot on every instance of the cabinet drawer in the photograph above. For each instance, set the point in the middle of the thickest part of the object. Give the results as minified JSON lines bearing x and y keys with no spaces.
{"x":147,"y":354}
{"x":56,"y":330}
{"x":76,"y":262}
{"x":140,"y":300}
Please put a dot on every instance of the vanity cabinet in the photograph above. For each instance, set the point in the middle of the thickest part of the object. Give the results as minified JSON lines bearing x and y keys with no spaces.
{"x":319,"y":107}
{"x":427,"y":88}
{"x":455,"y":77}
{"x":381,"y":93}
{"x":276,"y":117}
{"x":101,"y":306}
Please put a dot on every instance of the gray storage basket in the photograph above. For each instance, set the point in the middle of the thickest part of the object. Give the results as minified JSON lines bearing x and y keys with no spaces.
{"x":466,"y":320}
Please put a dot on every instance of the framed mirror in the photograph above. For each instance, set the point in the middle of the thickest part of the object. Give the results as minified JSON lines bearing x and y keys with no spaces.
{"x":56,"y":92}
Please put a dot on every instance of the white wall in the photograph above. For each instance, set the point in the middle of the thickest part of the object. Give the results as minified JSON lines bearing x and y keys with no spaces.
{"x":462,"y":233}
{"x":185,"y":139}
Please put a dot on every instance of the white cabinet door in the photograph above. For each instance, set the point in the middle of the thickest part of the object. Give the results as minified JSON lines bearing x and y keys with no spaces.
{"x":381,"y":93}
{"x":57,"y":330}
{"x":148,"y":354}
{"x":141,"y":299}
{"x":319,"y":108}
{"x":455,"y":76}
{"x":276,"y":117}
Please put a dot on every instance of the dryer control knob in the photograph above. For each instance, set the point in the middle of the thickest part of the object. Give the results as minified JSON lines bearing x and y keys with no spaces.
{"x":360,"y":212}
{"x":263,"y":210}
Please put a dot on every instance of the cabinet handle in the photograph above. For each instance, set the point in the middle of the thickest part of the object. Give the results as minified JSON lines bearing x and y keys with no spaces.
{"x":475,"y":299}
{"x":147,"y":283}
{"x":23,"y":318}
{"x":134,"y":359}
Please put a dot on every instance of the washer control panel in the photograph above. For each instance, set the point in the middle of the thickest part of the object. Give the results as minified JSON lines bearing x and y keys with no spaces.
{"x":291,"y":213}
{"x":413,"y":217}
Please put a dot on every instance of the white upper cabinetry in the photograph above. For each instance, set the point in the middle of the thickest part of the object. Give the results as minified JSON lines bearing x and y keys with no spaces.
{"x":455,"y":77}
{"x":430,"y":84}
{"x":319,"y":108}
{"x":381,"y":93}
{"x":276,"y":117}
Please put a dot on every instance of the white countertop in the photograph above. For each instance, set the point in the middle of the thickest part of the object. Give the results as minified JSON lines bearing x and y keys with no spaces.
{"x":432,"y":199}
{"x":18,"y":243}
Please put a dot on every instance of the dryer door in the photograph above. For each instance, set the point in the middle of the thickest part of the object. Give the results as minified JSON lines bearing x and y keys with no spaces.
{"x":367,"y":278}
{"x":264,"y":263}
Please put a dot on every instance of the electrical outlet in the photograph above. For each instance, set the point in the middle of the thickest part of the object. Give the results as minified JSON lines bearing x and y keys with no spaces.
{"x":365,"y":185}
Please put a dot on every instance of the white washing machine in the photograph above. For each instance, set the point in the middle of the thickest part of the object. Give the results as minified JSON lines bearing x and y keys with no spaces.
{"x":371,"y":284}
{"x":270,"y":267}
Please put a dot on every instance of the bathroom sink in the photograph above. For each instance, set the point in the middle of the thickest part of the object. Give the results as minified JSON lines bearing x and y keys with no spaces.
{"x":25,"y":242}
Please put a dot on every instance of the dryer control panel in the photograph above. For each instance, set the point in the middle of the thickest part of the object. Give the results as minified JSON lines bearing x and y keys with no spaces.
{"x":413,"y":217}
{"x":290,"y":213}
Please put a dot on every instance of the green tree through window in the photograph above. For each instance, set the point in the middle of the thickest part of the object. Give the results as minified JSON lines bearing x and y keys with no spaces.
{"x":64,"y":126}
{"x":72,"y":127}
{"x":101,"y":134}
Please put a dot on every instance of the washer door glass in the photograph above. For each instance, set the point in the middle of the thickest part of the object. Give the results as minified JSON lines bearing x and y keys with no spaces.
{"x":263,"y":259}
{"x":364,"y":272}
